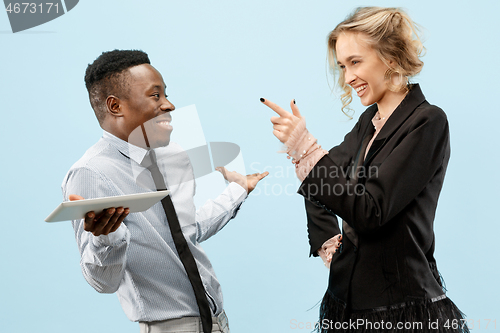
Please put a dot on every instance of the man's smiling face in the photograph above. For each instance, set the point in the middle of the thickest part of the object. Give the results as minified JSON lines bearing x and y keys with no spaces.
{"x":146,"y":104}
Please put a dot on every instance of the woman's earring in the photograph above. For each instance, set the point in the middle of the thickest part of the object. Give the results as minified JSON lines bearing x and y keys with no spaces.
{"x":388,"y":74}
{"x":402,"y":80}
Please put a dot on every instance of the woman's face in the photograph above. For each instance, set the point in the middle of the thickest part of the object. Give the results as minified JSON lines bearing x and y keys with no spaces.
{"x":362,"y":68}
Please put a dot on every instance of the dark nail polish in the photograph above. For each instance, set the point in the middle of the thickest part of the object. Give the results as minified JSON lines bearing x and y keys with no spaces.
{"x":262,"y":100}
{"x":294,"y":101}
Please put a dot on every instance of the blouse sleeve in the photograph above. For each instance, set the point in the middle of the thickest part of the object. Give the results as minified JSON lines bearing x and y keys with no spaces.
{"x":302,"y":147}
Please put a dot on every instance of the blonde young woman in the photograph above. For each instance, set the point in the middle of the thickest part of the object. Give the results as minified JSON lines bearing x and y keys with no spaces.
{"x":383,"y":181}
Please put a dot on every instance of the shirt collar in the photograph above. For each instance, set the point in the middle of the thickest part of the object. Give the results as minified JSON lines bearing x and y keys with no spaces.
{"x":131,"y":151}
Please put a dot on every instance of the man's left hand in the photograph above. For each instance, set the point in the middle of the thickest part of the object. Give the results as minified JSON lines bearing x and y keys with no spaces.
{"x":248,"y":182}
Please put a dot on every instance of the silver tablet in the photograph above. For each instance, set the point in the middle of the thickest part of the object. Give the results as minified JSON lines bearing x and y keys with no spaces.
{"x":74,"y":210}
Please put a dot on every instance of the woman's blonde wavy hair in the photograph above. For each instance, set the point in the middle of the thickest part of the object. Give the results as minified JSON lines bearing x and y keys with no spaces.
{"x":392,"y":34}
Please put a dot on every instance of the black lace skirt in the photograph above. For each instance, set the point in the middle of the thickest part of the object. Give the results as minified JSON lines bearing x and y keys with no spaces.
{"x":437,"y":315}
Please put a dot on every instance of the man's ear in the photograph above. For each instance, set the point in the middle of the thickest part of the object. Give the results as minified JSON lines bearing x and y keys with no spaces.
{"x":113,"y":106}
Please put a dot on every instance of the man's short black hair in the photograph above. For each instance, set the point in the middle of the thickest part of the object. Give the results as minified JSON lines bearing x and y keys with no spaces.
{"x":107,"y":75}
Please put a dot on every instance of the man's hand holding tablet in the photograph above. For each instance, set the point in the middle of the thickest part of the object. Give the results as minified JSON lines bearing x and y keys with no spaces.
{"x":108,"y":221}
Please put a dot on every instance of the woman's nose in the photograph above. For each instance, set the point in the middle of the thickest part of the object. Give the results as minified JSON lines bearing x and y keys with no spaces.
{"x":349,"y":77}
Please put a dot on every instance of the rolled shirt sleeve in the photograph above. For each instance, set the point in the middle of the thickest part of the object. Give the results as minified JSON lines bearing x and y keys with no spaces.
{"x":215,"y":214}
{"x":103,"y":257}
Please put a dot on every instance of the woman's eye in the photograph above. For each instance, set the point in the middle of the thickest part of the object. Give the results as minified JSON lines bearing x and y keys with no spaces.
{"x":354,"y":62}
{"x":156,"y":95}
{"x":342,"y":67}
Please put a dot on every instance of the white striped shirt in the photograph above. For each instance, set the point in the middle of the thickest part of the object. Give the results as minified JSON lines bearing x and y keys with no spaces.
{"x":139,"y":260}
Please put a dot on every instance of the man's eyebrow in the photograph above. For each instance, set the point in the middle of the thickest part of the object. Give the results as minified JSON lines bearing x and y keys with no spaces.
{"x":156,"y":86}
{"x":349,"y":58}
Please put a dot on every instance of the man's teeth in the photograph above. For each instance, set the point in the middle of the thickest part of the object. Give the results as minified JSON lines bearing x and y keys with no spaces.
{"x":163,"y":122}
{"x":358,"y":89}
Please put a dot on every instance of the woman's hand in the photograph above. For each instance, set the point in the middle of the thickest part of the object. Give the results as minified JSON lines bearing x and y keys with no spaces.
{"x":329,"y":248}
{"x":286,"y":122}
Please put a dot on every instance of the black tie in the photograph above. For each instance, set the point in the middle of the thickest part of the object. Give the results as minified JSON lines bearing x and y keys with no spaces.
{"x":181,"y":245}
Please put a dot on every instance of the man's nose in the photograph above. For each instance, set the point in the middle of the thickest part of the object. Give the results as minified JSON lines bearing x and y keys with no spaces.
{"x":167,"y":106}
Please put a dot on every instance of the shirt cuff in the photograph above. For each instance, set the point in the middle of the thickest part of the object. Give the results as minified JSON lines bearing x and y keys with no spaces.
{"x":115,"y":238}
{"x":307,"y":163}
{"x":237,"y":192}
{"x":299,"y":141}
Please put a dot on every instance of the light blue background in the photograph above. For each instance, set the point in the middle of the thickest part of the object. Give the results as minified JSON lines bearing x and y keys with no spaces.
{"x":223,"y":56}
